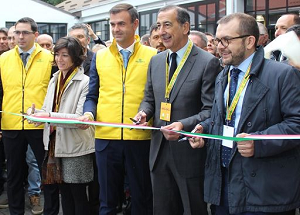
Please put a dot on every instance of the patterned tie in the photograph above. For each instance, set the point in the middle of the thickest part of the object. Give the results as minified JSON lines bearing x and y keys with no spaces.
{"x":125,"y":54}
{"x":24,"y":56}
{"x":173,"y":65}
{"x":226,"y":151}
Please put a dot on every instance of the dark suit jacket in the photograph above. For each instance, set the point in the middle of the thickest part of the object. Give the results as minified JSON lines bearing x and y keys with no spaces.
{"x":87,"y":62}
{"x":191,"y":100}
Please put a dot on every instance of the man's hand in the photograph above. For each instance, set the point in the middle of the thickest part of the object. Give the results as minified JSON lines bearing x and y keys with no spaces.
{"x":245,"y":148}
{"x":169,"y":134}
{"x":141,"y":118}
{"x":91,"y":32}
{"x":40,"y":114}
{"x":84,"y":118}
{"x":31,"y":110}
{"x":197,"y":142}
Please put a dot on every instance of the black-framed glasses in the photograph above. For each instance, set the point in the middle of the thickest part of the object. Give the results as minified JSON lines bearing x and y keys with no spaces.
{"x":226,"y":40}
{"x":23,"y":32}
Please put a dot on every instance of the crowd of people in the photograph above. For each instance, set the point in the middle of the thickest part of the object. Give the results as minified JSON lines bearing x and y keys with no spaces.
{"x":174,"y":79}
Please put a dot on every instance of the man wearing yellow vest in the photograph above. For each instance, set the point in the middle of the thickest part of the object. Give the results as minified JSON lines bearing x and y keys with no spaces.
{"x":25,"y":72}
{"x":117,"y":79}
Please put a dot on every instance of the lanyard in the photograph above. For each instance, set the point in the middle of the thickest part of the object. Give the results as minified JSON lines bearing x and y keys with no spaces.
{"x":169,"y":86}
{"x":58,"y":93}
{"x":230,"y":109}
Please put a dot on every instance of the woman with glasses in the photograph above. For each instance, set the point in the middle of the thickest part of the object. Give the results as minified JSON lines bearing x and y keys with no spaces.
{"x":68,"y":160}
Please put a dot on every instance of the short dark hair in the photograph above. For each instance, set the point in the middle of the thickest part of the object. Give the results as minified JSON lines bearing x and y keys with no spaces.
{"x":4,"y":31}
{"x":75,"y":50}
{"x":182,"y":14}
{"x":80,"y":26}
{"x":125,"y":7}
{"x":153,"y":27}
{"x":33,"y":25}
{"x":247,"y":25}
{"x":295,"y":28}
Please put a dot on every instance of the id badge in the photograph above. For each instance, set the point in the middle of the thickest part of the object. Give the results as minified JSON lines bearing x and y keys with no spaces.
{"x":165,"y":111}
{"x":228,"y":131}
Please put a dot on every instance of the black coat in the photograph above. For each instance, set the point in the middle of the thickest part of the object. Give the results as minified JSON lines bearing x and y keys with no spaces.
{"x":87,"y":62}
{"x":270,"y":180}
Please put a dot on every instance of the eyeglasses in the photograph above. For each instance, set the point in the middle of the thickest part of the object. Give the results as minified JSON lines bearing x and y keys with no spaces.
{"x":226,"y":40}
{"x":23,"y":32}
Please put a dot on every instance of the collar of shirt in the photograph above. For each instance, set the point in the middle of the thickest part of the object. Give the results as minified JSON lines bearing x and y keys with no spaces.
{"x":244,"y":65}
{"x":180,"y":53}
{"x":29,"y":51}
{"x":130,"y":48}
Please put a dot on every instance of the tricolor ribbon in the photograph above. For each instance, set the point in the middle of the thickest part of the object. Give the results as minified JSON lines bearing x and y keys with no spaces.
{"x":55,"y":120}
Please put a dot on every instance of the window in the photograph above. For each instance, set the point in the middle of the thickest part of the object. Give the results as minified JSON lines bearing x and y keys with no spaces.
{"x":205,"y":14}
{"x":147,"y":18}
{"x":271,"y":10}
{"x":101,"y":29}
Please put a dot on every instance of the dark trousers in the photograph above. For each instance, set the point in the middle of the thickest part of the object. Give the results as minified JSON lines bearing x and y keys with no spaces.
{"x":112,"y":156}
{"x":93,"y":191}
{"x":15,"y":146}
{"x":51,"y":199}
{"x":172,"y":193}
{"x":2,"y":166}
{"x":74,"y":199}
{"x":223,"y":209}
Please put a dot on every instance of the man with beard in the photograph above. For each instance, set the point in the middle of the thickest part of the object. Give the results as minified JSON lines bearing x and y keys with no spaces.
{"x":177,"y":98}
{"x":155,"y":40}
{"x":253,"y":95}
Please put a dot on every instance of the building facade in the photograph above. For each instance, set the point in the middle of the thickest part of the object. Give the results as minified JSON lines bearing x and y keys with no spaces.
{"x":51,"y":20}
{"x":204,"y":13}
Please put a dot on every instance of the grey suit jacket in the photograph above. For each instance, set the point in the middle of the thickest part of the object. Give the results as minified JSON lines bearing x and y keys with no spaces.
{"x":191,"y":100}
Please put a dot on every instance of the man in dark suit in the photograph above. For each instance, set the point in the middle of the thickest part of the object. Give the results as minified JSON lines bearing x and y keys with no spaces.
{"x":251,"y":177}
{"x":176,"y":170}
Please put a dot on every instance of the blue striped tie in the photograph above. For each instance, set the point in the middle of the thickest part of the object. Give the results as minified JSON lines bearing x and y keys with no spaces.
{"x":125,"y":55}
{"x":226,"y":151}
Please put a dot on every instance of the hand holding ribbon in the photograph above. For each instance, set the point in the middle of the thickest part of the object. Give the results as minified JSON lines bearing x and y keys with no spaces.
{"x":197,"y":142}
{"x":246,"y":147}
{"x":168,"y":131}
{"x":85,"y":118}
